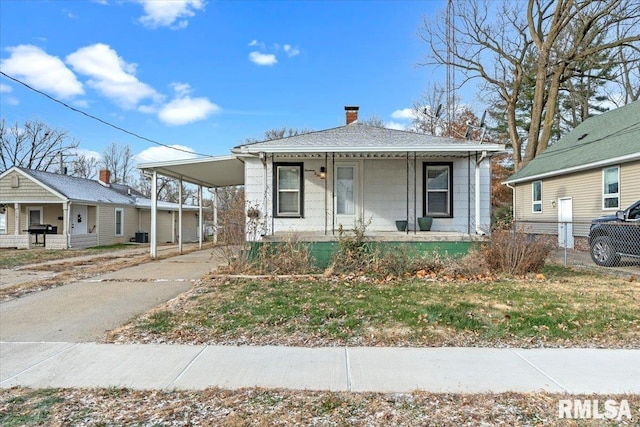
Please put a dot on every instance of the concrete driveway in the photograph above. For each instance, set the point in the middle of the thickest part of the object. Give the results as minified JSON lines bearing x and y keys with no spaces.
{"x":83,"y":311}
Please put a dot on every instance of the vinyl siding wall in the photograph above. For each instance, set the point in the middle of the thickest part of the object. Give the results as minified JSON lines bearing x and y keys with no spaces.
{"x":27,"y":190}
{"x":585,"y":189}
{"x":383,"y":194}
{"x":107,"y":224}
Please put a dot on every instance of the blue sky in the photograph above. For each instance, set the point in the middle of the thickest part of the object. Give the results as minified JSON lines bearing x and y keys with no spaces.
{"x":206,"y":75}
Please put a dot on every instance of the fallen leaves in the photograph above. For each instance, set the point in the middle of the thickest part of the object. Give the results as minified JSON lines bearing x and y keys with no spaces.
{"x":256,"y":406}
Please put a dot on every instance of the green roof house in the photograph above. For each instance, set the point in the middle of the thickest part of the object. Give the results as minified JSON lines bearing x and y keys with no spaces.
{"x":592,"y":171}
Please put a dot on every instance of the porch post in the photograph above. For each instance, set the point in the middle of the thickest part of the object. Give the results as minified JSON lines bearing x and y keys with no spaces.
{"x":407,"y":165}
{"x":215,"y":214}
{"x":180,"y":216}
{"x":200,"y":219}
{"x":16,"y":218}
{"x":65,"y":225}
{"x":154,"y":214}
{"x":477,"y":189}
{"x":415,"y":193}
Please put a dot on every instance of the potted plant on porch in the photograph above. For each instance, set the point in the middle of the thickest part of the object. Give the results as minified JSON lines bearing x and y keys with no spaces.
{"x":402,"y":225}
{"x":424,"y":223}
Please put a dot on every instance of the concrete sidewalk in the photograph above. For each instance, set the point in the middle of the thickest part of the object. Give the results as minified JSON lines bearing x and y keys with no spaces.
{"x":358,"y":369}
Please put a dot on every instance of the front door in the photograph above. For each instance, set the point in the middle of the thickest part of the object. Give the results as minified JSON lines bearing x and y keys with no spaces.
{"x":565,"y":224}
{"x":346,"y":194}
{"x":78,"y":219}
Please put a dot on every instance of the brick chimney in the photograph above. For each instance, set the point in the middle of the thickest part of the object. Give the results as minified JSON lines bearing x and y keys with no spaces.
{"x":352,"y":114}
{"x":105,"y":176}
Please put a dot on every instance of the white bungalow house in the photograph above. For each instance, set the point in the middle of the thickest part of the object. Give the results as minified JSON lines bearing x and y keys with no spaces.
{"x":59,"y":212}
{"x":314,"y":183}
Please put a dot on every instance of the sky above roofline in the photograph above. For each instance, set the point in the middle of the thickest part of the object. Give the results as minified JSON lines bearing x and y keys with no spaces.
{"x":203,"y":76}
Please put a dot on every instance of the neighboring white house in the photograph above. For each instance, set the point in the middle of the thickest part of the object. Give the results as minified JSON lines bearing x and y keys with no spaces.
{"x":316,"y":182}
{"x":71,"y":212}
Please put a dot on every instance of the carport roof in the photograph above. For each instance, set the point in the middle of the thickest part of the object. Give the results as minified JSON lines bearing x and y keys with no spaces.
{"x":215,"y":171}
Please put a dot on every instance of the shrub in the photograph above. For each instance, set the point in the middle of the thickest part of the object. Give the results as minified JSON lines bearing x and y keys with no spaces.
{"x":473,"y":264}
{"x":403,"y":259}
{"x":354,"y":253}
{"x":512,"y":251}
{"x":287,"y":257}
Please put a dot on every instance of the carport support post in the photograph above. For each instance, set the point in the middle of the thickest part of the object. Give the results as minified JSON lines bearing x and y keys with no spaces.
{"x":154,"y":214}
{"x":180,"y":216}
{"x":215,"y":215}
{"x":200,"y":219}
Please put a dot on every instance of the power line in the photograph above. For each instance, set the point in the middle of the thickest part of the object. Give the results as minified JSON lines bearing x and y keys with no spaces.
{"x":144,"y":138}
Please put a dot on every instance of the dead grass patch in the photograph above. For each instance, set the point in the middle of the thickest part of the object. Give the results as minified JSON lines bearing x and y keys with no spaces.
{"x":261,"y":407}
{"x":565,"y":309}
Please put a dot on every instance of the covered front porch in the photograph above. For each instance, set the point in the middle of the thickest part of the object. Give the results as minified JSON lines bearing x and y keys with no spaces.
{"x":49,"y":225}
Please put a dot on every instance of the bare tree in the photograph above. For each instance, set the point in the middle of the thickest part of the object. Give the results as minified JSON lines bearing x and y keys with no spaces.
{"x":84,"y":166}
{"x":493,"y":42}
{"x":118,"y":160}
{"x":34,"y":146}
{"x":278,"y":133}
{"x":427,"y":112}
{"x":168,"y":189}
{"x":374,"y":121}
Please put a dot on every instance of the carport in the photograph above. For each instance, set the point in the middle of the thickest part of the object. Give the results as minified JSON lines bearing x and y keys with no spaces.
{"x":210,"y":172}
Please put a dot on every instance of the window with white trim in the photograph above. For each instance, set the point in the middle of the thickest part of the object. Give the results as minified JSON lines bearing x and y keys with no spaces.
{"x":288,"y":190}
{"x":611,"y":187}
{"x":119,"y":222}
{"x":438,"y":187}
{"x":536,"y":197}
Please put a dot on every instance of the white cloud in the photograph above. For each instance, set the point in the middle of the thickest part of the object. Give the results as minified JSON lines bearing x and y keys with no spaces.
{"x":5,"y":88}
{"x":395,"y":125}
{"x":161,"y":154}
{"x":291,"y":51}
{"x":183,"y":109}
{"x":42,"y":71}
{"x":262,"y":58}
{"x":111,"y":75}
{"x":169,"y":13}
{"x":257,"y":43}
{"x":404,"y":114}
{"x":88,"y":153}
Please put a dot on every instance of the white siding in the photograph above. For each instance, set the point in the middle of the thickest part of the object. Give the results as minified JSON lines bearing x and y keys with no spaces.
{"x":383,"y":194}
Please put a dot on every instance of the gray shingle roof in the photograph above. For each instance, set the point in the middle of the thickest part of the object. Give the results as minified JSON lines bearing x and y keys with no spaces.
{"x":358,"y":137}
{"x":79,"y":189}
{"x":612,"y":136}
{"x":88,"y":190}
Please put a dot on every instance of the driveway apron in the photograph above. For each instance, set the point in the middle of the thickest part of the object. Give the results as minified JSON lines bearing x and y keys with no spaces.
{"x":83,"y":311}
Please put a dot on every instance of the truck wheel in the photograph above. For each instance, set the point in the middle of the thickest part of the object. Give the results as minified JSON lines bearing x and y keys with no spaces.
{"x":603,"y":253}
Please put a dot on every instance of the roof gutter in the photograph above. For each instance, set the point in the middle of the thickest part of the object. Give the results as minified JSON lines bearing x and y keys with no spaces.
{"x":375,"y":149}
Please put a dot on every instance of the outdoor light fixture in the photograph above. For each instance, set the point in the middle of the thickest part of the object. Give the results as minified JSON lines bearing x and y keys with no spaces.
{"x":322,"y":174}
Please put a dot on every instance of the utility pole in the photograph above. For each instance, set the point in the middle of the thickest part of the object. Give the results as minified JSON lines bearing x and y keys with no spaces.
{"x":63,"y":170}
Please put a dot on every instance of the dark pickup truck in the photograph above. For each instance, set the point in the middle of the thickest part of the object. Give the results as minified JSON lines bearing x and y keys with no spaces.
{"x":612,"y":237}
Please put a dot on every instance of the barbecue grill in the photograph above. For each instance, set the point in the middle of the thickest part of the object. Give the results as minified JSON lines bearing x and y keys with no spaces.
{"x":43,"y":229}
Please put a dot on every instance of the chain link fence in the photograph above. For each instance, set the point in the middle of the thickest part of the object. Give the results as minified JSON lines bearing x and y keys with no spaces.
{"x":606,"y":244}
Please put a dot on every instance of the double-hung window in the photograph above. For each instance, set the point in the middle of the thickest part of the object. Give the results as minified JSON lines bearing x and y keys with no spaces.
{"x":119,"y":222}
{"x":536,"y":197}
{"x":288,"y":189}
{"x":438,"y":189}
{"x":611,"y":188}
